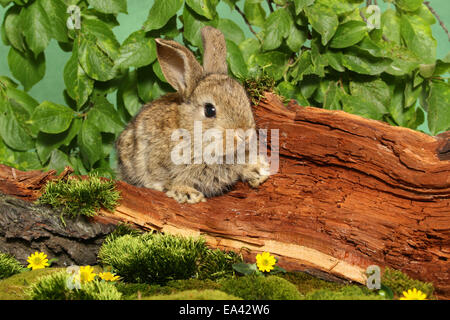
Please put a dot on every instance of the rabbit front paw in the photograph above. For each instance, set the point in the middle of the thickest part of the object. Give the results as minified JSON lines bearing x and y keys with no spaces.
{"x":256,"y":174}
{"x":184,"y":194}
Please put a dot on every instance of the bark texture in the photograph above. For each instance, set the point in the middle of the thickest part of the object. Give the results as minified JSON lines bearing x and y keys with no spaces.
{"x":350,"y":192}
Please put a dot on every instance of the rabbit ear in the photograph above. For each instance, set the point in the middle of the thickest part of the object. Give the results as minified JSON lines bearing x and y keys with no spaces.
{"x":178,"y":65}
{"x":215,"y":51}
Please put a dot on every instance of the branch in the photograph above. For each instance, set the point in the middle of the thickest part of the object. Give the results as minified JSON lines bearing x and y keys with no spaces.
{"x":270,"y":2}
{"x":427,"y":3}
{"x":247,"y":22}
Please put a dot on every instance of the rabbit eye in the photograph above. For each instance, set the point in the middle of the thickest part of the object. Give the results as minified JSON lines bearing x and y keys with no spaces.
{"x":210,"y":110}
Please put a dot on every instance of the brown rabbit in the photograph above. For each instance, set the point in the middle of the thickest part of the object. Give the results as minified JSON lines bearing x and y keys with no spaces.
{"x":204,"y":94}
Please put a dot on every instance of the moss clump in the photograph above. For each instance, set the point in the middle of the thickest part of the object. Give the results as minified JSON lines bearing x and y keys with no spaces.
{"x":217,"y":264}
{"x":152,"y":257}
{"x":194,"y":295}
{"x":9,"y":265}
{"x":260,"y":288}
{"x":14,"y":287}
{"x":398,"y":282}
{"x":130,"y":290}
{"x":54,"y":287}
{"x":351,"y":292}
{"x":256,"y":87}
{"x":306,"y":283}
{"x":76,"y":197}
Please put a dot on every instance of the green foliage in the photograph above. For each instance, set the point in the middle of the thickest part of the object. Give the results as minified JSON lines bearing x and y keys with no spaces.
{"x":195,"y":295}
{"x":157,"y":258}
{"x":398,"y":282}
{"x":345,"y":293}
{"x":152,"y":258}
{"x":54,"y":287}
{"x":260,"y":288}
{"x":9,"y":266}
{"x":80,"y":197}
{"x":325,"y":53}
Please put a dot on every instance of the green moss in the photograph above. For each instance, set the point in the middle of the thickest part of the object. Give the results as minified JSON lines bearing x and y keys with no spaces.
{"x":399,"y":282}
{"x":54,"y":287}
{"x":306,"y":283}
{"x":217,"y":264}
{"x":194,"y":295}
{"x":14,"y":287}
{"x":77,"y":197}
{"x":152,"y":258}
{"x":351,"y":292}
{"x":256,"y":87}
{"x":9,"y":266}
{"x":260,"y":288}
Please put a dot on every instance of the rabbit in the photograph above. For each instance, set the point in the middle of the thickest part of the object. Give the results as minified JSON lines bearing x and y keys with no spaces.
{"x":204,"y":93}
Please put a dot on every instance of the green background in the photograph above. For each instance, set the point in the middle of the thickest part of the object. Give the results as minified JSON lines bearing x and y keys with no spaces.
{"x":52,"y":85}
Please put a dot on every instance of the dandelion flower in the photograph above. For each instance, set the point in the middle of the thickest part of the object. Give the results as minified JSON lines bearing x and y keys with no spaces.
{"x":265,"y":261}
{"x":86,"y":274}
{"x":37,"y":260}
{"x":413,"y":294}
{"x":108,"y":276}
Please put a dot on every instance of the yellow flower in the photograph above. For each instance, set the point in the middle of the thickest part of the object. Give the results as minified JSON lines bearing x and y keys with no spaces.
{"x":108,"y":276}
{"x":413,"y":294}
{"x":265,"y":261}
{"x":86,"y":274}
{"x":37,"y":260}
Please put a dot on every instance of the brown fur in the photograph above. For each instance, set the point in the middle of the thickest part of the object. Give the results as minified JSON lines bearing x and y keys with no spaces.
{"x":144,"y":147}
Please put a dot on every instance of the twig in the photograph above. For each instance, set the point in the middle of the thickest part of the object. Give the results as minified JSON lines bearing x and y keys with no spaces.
{"x":247,"y":22}
{"x":269,"y":2}
{"x":427,"y":3}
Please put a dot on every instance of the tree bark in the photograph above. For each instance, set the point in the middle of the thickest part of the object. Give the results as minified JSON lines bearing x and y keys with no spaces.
{"x":350,"y":192}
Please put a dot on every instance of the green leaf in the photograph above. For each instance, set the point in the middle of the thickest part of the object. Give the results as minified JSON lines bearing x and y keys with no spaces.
{"x":90,"y":143}
{"x":104,"y":116}
{"x":193,"y":23}
{"x":37,"y":27}
{"x":95,"y":62}
{"x":301,"y":4}
{"x":109,"y":6}
{"x":255,"y":13}
{"x":19,"y":97}
{"x":245,"y":268}
{"x":360,"y":106}
{"x":52,"y":118}
{"x":137,"y":51}
{"x":160,"y":14}
{"x":323,"y":20}
{"x":390,"y":22}
{"x":57,"y":13}
{"x":276,"y":27}
{"x":332,"y":97}
{"x":128,"y":93}
{"x":206,"y":8}
{"x":418,"y":38}
{"x":46,"y":143}
{"x":58,"y":161}
{"x":79,"y":86}
{"x":376,"y":92}
{"x":297,"y":37}
{"x":12,"y":129}
{"x":236,"y":60}
{"x":231,"y":31}
{"x":26,"y":68}
{"x":439,"y":107}
{"x":249,"y":47}
{"x":340,"y":7}
{"x":12,"y":26}
{"x":409,"y":5}
{"x":348,"y":34}
{"x":273,"y":63}
{"x":105,"y":37}
{"x":231,"y":3}
{"x":358,"y":61}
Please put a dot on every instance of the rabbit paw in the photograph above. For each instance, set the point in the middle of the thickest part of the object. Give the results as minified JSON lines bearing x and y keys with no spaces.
{"x":256,"y":174}
{"x":184,"y":194}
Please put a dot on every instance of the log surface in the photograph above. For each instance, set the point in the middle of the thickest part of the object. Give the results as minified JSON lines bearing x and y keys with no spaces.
{"x":350,"y":192}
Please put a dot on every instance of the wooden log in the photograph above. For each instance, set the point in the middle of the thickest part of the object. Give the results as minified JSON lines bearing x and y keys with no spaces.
{"x":350,"y":192}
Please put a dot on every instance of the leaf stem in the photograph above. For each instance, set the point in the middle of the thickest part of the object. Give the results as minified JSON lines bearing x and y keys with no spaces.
{"x":247,"y":22}
{"x":427,"y":3}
